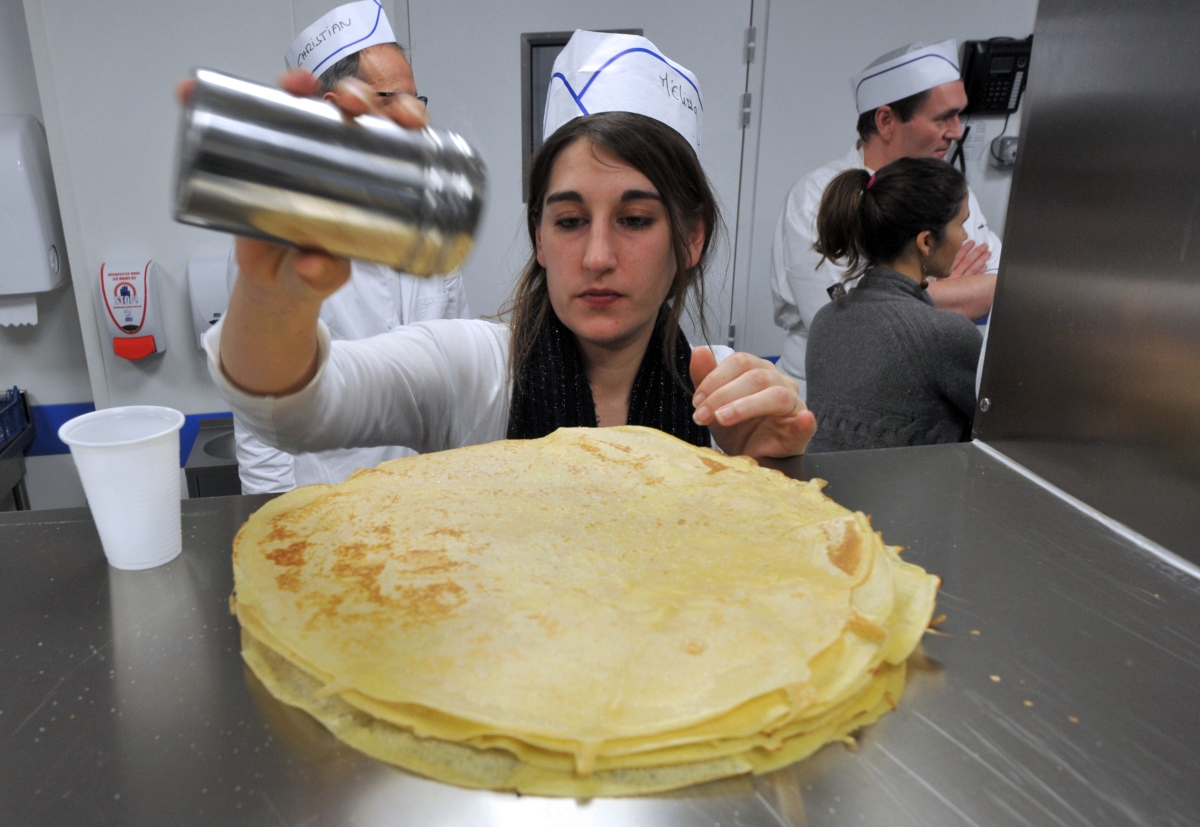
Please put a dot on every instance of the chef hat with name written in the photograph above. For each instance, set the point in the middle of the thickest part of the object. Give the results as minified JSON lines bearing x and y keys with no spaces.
{"x":599,"y":72}
{"x":905,"y":72}
{"x":340,"y":33}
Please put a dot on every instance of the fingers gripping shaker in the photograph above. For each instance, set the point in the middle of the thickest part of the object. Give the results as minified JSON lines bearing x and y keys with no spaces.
{"x":259,"y":162}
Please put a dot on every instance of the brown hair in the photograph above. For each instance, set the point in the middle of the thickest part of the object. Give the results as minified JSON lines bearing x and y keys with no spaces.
{"x":662,"y":155}
{"x":861,"y":222}
{"x":905,"y":109}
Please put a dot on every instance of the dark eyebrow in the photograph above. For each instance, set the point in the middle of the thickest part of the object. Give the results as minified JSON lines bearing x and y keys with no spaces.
{"x":576,"y":198}
{"x":566,"y":195}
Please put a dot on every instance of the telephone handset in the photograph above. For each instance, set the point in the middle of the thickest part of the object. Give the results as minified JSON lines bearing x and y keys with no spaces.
{"x":995,"y":73}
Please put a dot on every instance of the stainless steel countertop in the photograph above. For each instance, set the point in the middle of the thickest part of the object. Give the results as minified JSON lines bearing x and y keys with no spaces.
{"x":1064,"y":691}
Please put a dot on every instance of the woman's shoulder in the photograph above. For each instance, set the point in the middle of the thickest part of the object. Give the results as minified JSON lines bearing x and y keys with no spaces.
{"x":470,"y":345}
{"x":463,"y":331}
{"x":474,"y":327}
{"x":952,"y":323}
{"x":843,"y":307}
{"x":932,"y":322}
{"x":954,"y":334}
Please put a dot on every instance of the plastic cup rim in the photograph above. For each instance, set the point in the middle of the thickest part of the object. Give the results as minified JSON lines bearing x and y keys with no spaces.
{"x":107,"y":413}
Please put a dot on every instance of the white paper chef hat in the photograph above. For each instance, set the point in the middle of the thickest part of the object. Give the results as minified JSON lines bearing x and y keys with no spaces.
{"x":338,"y":34}
{"x":905,"y":72}
{"x":599,"y":72}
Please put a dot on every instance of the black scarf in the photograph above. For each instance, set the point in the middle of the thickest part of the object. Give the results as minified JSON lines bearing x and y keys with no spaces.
{"x":554,"y":391}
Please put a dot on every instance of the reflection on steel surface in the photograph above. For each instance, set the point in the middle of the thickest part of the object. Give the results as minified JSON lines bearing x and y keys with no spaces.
{"x":170,"y":596}
{"x":259,"y":162}
{"x":1093,"y":358}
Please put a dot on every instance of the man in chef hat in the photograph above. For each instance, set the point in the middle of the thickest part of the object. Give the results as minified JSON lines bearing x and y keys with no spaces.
{"x":352,"y":41}
{"x":908,"y":102}
{"x":355,"y":41}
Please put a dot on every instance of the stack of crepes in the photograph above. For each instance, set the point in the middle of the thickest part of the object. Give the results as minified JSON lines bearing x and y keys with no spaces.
{"x":599,"y":612}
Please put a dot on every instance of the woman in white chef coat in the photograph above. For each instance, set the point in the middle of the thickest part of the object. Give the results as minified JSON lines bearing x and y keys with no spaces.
{"x":621,"y":218}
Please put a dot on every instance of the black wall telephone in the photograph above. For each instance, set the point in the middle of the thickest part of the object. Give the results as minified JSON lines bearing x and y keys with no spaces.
{"x":995,"y":73}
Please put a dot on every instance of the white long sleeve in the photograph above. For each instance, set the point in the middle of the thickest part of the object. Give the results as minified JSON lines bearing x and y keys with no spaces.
{"x":429,"y":386}
{"x":261,"y":468}
{"x":375,"y":300}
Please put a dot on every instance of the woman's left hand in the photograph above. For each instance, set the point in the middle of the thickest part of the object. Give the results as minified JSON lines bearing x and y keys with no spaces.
{"x":749,"y":406}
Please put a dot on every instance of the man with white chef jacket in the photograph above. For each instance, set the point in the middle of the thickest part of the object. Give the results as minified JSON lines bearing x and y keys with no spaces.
{"x":353,"y":40}
{"x":908,"y":103}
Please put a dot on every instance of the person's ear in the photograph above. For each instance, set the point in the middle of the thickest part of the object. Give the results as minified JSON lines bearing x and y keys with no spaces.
{"x":695,"y":243}
{"x":329,"y":97}
{"x":537,"y":242}
{"x":925,"y":243}
{"x":885,"y":123}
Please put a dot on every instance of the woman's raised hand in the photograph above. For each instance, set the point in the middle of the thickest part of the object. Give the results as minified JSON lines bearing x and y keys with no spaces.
{"x":352,"y":95}
{"x":294,"y":277}
{"x":268,"y":335}
{"x":749,"y":406}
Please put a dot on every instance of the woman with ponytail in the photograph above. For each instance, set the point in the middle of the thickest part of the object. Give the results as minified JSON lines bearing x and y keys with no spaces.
{"x":885,"y":367}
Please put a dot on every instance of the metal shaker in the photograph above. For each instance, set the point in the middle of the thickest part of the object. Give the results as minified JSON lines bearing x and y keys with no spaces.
{"x":259,"y":162}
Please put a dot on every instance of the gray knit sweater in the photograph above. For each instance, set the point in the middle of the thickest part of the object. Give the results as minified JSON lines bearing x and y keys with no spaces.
{"x":886,"y":368}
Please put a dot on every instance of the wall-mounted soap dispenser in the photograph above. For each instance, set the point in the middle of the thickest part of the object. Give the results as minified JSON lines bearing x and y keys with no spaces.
{"x":128,"y":291}
{"x":34,"y":255}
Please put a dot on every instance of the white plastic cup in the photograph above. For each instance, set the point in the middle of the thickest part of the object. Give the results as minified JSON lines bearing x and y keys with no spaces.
{"x":128,"y":462}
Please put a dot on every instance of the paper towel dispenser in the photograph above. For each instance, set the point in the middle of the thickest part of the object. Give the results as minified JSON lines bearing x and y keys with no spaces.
{"x":31,"y":235}
{"x":208,"y":291}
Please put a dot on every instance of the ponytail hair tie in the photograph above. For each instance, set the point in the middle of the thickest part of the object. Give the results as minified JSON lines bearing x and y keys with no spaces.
{"x":871,"y":181}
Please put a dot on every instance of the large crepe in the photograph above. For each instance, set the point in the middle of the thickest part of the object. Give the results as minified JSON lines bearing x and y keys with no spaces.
{"x":599,"y":612}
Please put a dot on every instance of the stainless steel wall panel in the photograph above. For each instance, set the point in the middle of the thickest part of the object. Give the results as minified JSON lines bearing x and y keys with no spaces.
{"x":1093,"y":358}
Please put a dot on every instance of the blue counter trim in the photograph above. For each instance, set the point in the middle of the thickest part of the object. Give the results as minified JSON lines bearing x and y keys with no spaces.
{"x":47,"y":419}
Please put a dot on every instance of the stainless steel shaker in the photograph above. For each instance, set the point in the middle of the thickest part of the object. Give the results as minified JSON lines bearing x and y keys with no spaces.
{"x":259,"y":162}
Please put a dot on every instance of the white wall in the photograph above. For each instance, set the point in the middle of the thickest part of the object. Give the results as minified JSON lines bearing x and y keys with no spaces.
{"x":45,"y":359}
{"x":114,"y":147}
{"x":106,"y":74}
{"x":812,"y":48}
{"x":18,"y":91}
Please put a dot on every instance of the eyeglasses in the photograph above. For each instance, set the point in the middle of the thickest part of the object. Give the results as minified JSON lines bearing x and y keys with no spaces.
{"x":387,"y":96}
